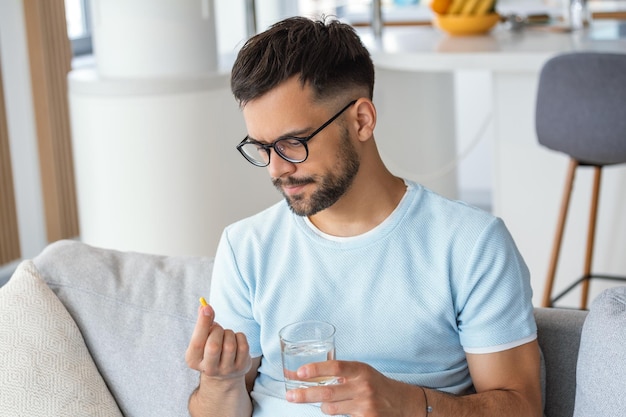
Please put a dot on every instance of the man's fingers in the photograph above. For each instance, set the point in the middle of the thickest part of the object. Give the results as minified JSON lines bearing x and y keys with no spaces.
{"x":323,"y":394}
{"x":243,"y":360}
{"x":229,"y":348}
{"x":215,"y":351}
{"x":326,"y":368}
{"x":195,"y":350}
{"x":227,"y":354}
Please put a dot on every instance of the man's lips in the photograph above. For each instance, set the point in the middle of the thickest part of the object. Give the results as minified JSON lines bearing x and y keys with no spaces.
{"x":291,"y":188}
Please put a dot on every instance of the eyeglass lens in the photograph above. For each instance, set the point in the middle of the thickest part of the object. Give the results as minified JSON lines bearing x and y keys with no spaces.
{"x":290,"y":149}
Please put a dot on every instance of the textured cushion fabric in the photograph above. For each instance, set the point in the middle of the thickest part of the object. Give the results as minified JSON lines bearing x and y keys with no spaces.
{"x":136,"y":313}
{"x":601,"y":371}
{"x":558,"y":333}
{"x":45,"y":367}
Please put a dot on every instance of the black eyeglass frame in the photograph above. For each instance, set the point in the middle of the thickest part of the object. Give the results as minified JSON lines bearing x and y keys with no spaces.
{"x":247,"y":140}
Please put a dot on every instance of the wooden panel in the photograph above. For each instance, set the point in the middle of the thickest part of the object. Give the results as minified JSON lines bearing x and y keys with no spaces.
{"x":50,"y":57}
{"x":9,"y":235}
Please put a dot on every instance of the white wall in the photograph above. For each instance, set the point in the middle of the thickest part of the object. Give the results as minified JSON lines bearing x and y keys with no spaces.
{"x":474,"y":136}
{"x":412,"y":142}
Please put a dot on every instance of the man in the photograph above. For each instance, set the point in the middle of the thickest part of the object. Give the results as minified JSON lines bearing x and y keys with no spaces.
{"x":430,"y":298}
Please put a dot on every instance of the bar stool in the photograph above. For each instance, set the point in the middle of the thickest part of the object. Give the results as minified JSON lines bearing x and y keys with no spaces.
{"x":581,"y":111}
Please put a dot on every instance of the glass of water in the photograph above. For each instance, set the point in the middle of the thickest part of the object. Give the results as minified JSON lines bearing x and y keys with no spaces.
{"x":306,"y":342}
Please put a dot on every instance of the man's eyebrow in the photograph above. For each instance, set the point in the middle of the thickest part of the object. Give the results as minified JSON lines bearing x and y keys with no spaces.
{"x":299,"y":134}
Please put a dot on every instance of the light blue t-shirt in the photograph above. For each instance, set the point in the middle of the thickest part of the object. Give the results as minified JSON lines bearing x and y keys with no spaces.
{"x":436,"y":279}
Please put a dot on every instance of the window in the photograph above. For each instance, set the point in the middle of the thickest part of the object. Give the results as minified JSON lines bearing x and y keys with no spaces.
{"x":78,"y":26}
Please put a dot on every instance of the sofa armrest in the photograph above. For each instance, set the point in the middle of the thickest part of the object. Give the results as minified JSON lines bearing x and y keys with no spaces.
{"x":559,"y":332}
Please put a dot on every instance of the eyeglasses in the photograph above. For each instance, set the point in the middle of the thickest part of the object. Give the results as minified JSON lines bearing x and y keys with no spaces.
{"x":290,"y":148}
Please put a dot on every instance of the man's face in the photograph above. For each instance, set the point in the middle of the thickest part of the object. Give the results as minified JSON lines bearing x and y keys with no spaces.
{"x":328,"y":187}
{"x":333,"y":162}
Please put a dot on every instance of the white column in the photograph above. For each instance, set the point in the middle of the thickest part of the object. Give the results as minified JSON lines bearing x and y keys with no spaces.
{"x":154,"y":128}
{"x":154,"y":38}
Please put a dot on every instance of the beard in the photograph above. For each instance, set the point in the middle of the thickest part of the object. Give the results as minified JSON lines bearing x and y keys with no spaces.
{"x":332,"y":186}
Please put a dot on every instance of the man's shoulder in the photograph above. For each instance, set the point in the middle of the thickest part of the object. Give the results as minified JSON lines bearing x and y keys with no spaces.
{"x":448,"y":209}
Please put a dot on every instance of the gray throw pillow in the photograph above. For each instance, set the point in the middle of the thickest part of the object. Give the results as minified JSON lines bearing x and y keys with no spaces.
{"x":601,"y":370}
{"x":136,"y":313}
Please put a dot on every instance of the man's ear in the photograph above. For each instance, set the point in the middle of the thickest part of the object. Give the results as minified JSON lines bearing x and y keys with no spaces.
{"x":366,"y":118}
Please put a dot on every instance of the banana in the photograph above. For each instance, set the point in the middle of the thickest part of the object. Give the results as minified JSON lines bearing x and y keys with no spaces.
{"x":456,"y":6}
{"x":468,"y":7}
{"x":484,"y":7}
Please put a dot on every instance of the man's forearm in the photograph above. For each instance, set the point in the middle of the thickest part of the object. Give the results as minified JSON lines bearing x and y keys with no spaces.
{"x":495,"y":403}
{"x":220,"y":398}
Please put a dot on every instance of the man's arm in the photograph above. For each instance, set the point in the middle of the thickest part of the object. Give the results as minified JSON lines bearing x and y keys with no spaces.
{"x":227,"y":372}
{"x":507,"y":384}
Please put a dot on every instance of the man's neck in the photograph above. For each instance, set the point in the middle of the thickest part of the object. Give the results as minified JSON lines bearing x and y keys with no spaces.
{"x":366,"y":205}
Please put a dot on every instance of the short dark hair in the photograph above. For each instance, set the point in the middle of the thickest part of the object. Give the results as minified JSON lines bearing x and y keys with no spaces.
{"x":326,"y":54}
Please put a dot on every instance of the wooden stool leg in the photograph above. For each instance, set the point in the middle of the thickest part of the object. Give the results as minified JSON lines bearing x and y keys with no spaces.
{"x":558,"y":238}
{"x":591,"y":235}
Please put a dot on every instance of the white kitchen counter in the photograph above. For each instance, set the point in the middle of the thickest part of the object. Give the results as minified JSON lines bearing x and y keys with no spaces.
{"x":424,"y":48}
{"x":527,"y":178}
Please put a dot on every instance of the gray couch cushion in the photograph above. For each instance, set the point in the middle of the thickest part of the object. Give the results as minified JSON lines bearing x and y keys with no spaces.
{"x":558,"y":332}
{"x":136,"y":313}
{"x":601,"y":372}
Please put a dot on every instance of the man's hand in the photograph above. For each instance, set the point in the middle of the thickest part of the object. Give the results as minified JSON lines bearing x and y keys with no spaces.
{"x":217,"y":352}
{"x":362,"y":391}
{"x":227,"y":372}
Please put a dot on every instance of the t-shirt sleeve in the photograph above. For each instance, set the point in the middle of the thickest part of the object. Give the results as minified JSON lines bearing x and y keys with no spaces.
{"x":494,"y":298}
{"x":231,"y":296}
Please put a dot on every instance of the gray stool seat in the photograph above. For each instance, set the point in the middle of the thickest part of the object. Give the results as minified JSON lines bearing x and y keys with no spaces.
{"x":581,"y":107}
{"x":581,"y":112}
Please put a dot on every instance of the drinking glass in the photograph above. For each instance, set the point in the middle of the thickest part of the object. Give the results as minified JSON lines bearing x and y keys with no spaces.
{"x":306,"y":342}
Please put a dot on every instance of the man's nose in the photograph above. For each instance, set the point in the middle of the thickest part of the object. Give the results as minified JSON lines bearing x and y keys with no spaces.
{"x":278,"y":166}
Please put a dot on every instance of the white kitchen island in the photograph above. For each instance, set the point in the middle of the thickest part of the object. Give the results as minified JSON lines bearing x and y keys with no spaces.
{"x":527,"y":179}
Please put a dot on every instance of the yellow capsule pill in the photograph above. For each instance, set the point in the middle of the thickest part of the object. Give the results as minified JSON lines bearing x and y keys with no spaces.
{"x":203,"y":302}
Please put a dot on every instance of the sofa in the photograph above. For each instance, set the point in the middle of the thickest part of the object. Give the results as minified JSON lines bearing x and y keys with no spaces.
{"x":86,"y":331}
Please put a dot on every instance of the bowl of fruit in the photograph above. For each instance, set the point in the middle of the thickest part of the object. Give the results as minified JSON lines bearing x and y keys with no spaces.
{"x":465,"y":17}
